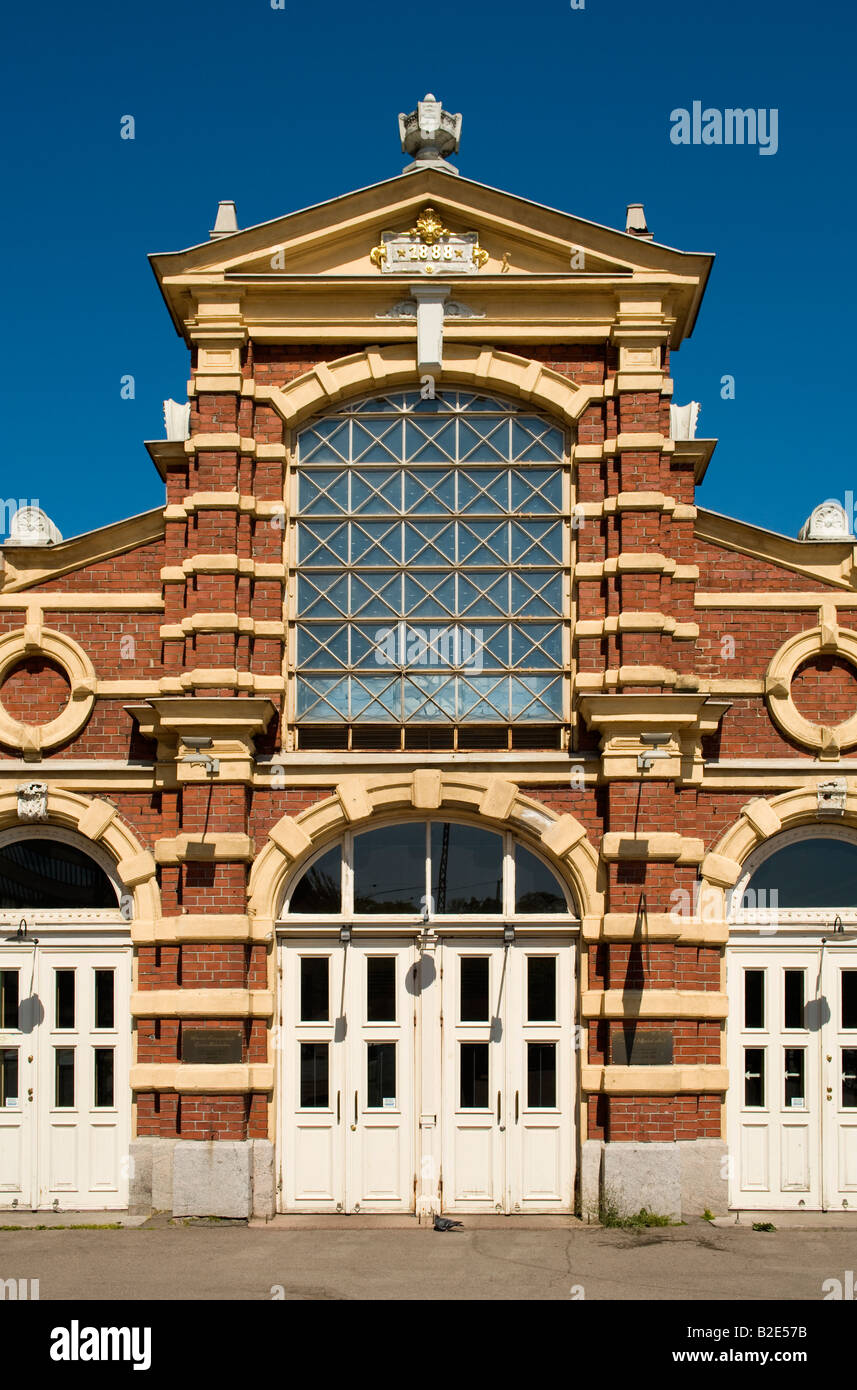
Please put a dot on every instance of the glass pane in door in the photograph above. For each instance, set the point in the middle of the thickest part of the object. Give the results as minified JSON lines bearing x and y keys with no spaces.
{"x":793,"y":998}
{"x":381,"y":1075}
{"x":754,"y":998}
{"x":8,"y":999}
{"x":849,"y":998}
{"x":104,"y":1009}
{"x":541,"y":1075}
{"x":475,"y":1006}
{"x":315,"y":1085}
{"x":474,"y":1076}
{"x":64,"y":998}
{"x":103,"y":1058}
{"x":64,"y":1077}
{"x":315,"y":989}
{"x":381,"y":989}
{"x":9,"y":1077}
{"x":754,"y":1077}
{"x":849,"y":1078}
{"x":541,"y":989}
{"x":794,"y":1077}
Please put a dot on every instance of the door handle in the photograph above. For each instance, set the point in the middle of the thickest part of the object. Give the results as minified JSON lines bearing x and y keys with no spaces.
{"x":29,"y":1093}
{"x":354,"y":1126}
{"x":498,"y":1107}
{"x":517,"y":1098}
{"x":338,"y":1107}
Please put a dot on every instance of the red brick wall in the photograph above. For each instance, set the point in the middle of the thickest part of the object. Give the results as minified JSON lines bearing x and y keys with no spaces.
{"x":824,"y":689}
{"x":35,"y":691}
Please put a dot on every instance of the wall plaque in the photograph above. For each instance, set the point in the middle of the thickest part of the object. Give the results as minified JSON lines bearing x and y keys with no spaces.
{"x":631,"y":1048}
{"x":212,"y":1044}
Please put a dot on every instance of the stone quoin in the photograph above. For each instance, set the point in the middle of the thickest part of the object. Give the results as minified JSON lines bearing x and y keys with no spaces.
{"x":545,"y":905}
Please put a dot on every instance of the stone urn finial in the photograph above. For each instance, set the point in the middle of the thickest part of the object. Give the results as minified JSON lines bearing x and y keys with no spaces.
{"x":429,"y":134}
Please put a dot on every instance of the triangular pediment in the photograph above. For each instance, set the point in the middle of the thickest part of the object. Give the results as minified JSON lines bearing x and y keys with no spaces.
{"x":334,"y":241}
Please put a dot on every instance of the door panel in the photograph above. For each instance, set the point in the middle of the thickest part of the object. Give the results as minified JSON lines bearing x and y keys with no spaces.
{"x":839,"y":1065}
{"x":774,"y":1059}
{"x":793,"y":1076}
{"x":509,"y":1083}
{"x":64,"y":1138}
{"x":348,"y":1077}
{"x":83,"y":1101}
{"x":473,"y":1086}
{"x":314,"y":1080}
{"x":542,"y":1081}
{"x":380,"y":1058}
{"x":16,"y":1077}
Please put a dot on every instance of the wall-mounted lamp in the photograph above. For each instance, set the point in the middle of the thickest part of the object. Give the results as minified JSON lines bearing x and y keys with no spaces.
{"x":197,"y":758}
{"x":23,"y":934}
{"x":655,"y":750}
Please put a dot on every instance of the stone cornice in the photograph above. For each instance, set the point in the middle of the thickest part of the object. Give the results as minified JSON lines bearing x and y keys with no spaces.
{"x":828,"y":562}
{"x":27,"y":565}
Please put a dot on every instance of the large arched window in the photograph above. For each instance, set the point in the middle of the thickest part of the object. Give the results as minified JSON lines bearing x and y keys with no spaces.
{"x":427,"y":870}
{"x":431,"y":549}
{"x":804,"y":876}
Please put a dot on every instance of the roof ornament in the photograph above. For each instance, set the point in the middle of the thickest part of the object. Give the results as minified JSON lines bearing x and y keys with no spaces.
{"x":177,"y":419}
{"x":683,"y":420}
{"x":226,"y":221}
{"x":827,"y":522}
{"x":428,"y":135}
{"x":32,"y":526}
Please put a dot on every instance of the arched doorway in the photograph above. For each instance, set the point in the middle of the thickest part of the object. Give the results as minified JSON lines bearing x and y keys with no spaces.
{"x":64,"y":1034}
{"x":428,"y":1002}
{"x":792,"y":979}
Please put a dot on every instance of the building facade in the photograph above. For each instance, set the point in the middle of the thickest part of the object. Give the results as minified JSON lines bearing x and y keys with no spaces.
{"x":429,"y":807}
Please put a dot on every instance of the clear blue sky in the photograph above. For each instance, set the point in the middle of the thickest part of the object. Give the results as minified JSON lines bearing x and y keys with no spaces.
{"x":281,"y":108}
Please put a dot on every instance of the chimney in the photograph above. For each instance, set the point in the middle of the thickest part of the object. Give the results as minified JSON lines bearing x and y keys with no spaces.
{"x":635,"y":222}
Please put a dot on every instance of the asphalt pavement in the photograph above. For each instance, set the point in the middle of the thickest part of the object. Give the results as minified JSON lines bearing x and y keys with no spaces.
{"x":174,"y":1261}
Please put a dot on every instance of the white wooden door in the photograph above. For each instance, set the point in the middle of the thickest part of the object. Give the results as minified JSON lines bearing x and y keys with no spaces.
{"x":380,"y":1170}
{"x":314,"y":1020}
{"x":839,"y":1079}
{"x":541,"y":1078}
{"x":348,"y":1086}
{"x":82,"y":1089}
{"x":474,"y":978}
{"x":17,"y":1070}
{"x":64,"y":1140}
{"x":776,"y":1010}
{"x":507,"y":1115}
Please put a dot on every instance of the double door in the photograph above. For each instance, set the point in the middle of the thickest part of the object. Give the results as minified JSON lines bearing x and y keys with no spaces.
{"x":64,"y":1102}
{"x":349,"y":1015}
{"x":793,"y":1077}
{"x":438,"y":1077}
{"x":508,"y":1078}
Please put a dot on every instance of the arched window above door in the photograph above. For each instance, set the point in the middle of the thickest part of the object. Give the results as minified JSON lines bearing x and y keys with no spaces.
{"x":45,"y":871}
{"x":428,"y":869}
{"x":808,"y":874}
